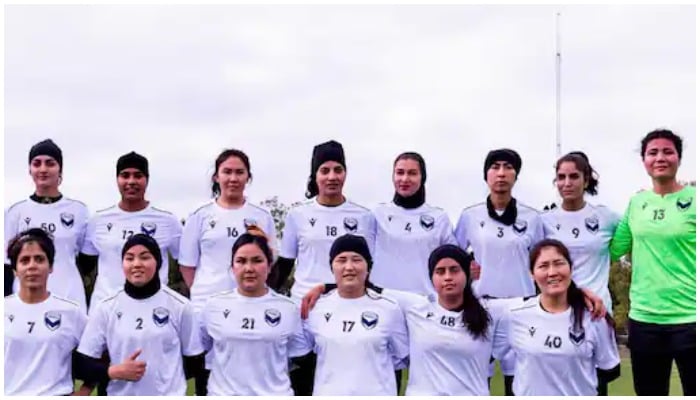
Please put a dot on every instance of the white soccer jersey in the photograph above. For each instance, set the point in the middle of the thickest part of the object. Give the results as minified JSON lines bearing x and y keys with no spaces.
{"x":551,"y":358}
{"x":446,"y":360}
{"x":163,"y":326}
{"x":587,"y":234}
{"x":39,"y":343}
{"x":501,"y":250}
{"x":405,"y":238}
{"x":357,"y":341}
{"x":206,"y":244}
{"x":309,"y":232}
{"x":250,"y":341}
{"x":65,"y":220}
{"x":109,"y":229}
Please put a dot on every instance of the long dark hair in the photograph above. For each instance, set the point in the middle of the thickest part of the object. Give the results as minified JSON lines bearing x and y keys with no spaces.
{"x":474,"y":316}
{"x":36,"y":235}
{"x":225,"y":155}
{"x":580,"y":159}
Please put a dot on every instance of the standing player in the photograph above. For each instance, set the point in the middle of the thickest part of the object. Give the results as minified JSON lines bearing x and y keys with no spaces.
{"x":408,"y":229}
{"x":659,"y":230}
{"x":357,"y":334}
{"x":556,"y":343}
{"x":148,"y":326}
{"x":500,"y":232}
{"x":41,"y":329}
{"x":309,"y":232}
{"x":109,"y":229}
{"x":65,"y":219}
{"x":251,"y":332}
{"x":205,"y":247}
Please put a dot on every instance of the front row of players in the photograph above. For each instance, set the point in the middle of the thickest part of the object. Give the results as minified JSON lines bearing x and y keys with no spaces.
{"x":360,"y":333}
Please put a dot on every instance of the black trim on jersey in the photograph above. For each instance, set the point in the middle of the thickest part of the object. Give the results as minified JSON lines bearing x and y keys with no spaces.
{"x":473,"y":206}
{"x":163,"y":211}
{"x":167,"y":291}
{"x":105,"y":209}
{"x":71,"y":302}
{"x":256,"y":206}
{"x":509,"y":215}
{"x":45,"y":199}
{"x":204,"y":206}
{"x":524,"y":307}
{"x":357,"y":205}
{"x":76,"y":201}
{"x":16,"y":204}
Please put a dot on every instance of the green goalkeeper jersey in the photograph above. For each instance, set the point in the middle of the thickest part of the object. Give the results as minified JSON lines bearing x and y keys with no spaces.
{"x":659,"y":231}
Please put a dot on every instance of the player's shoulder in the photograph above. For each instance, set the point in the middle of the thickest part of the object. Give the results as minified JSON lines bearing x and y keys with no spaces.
{"x":161,"y":213}
{"x":258,"y":208}
{"x":473,"y":208}
{"x":351,"y":205}
{"x":383,"y":301}
{"x":17,"y":205}
{"x":107,"y":211}
{"x":523,"y":304}
{"x":174,"y":296}
{"x":282,"y":299}
{"x":75,"y":203}
{"x":65,"y":303}
{"x":224,"y":295}
{"x":203,"y":208}
{"x":524,"y":208}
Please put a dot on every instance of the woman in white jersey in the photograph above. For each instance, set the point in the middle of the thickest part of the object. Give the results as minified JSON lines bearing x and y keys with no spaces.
{"x":147,"y":326}
{"x":210,"y":231}
{"x":408,"y":229}
{"x":65,"y":219}
{"x":251,"y":332}
{"x":585,"y":229}
{"x":42,"y":329}
{"x":500,"y":231}
{"x":556,"y":344}
{"x":311,"y":228}
{"x":109,"y":229}
{"x":357,"y":334}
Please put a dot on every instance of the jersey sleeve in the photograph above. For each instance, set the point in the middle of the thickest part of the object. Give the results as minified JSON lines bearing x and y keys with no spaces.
{"x":405,"y":300}
{"x":190,"y":332}
{"x":93,"y":342}
{"x":80,"y":322}
{"x":83,"y":218}
{"x":189,"y":242}
{"x":605,"y":350}
{"x":308,"y":335}
{"x":290,"y":244}
{"x":89,"y":246}
{"x":461,"y":231}
{"x":298,"y":345}
{"x":371,"y":233}
{"x":202,"y":322}
{"x":447,"y":235}
{"x":398,"y":338}
{"x":612,"y":220}
{"x":621,"y":242}
{"x":176,"y":235}
{"x":539,"y":228}
{"x":11,"y":223}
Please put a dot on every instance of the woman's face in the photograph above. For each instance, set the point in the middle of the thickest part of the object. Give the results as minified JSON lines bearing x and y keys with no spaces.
{"x":661,"y":159}
{"x":33,"y":267}
{"x":251,"y":268}
{"x":330,"y":179}
{"x":45,"y":172}
{"x":552,"y":273}
{"x":350,"y":270}
{"x":570,"y":181}
{"x":407,"y":177}
{"x":449,"y":279}
{"x":232,"y":177}
{"x":139,"y":265}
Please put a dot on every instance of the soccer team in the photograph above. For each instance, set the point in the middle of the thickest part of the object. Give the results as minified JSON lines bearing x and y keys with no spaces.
{"x":375,"y":291}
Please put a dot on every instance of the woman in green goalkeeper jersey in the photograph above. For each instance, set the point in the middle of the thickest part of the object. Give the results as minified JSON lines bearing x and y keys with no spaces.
{"x":658,"y":229}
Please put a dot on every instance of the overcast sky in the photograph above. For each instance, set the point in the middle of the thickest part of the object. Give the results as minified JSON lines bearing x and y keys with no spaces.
{"x":180,"y":83}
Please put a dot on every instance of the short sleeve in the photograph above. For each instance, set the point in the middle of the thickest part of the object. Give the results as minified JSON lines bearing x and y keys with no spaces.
{"x":462,"y":231}
{"x":501,"y":333}
{"x":290,"y":244}
{"x":298,"y":345}
{"x":405,"y":300}
{"x":447,"y":235}
{"x":189,"y":242}
{"x":538,"y":234}
{"x":190,"y":332}
{"x":308,"y":335}
{"x":80,"y":323}
{"x":621,"y":242}
{"x":176,"y":235}
{"x":605,"y":350}
{"x":398,"y":337}
{"x":11,"y":223}
{"x":89,"y":246}
{"x":371,"y":235}
{"x":202,"y":321}
{"x":93,"y":342}
{"x":83,"y":219}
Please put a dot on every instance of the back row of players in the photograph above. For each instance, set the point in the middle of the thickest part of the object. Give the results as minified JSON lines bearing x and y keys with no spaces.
{"x":401,"y":236}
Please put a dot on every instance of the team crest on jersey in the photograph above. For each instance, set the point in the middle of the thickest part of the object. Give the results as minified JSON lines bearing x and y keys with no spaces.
{"x":327,"y":316}
{"x":576,"y":337}
{"x":312,"y":222}
{"x":161,"y":316}
{"x":52,"y":320}
{"x":226,"y":313}
{"x":427,"y":222}
{"x":532,"y":331}
{"x":273,"y":317}
{"x":212,"y":223}
{"x":67,"y":219}
{"x":350,"y":224}
{"x":592,"y":224}
{"x":520,"y":227}
{"x":684,"y":204}
{"x":11,"y":317}
{"x":109,"y":226}
{"x":369,"y":319}
{"x":248,"y":222}
{"x":27,"y":220}
{"x":148,"y":228}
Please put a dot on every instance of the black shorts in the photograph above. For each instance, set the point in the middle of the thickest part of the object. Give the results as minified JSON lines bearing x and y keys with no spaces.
{"x":650,"y":338}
